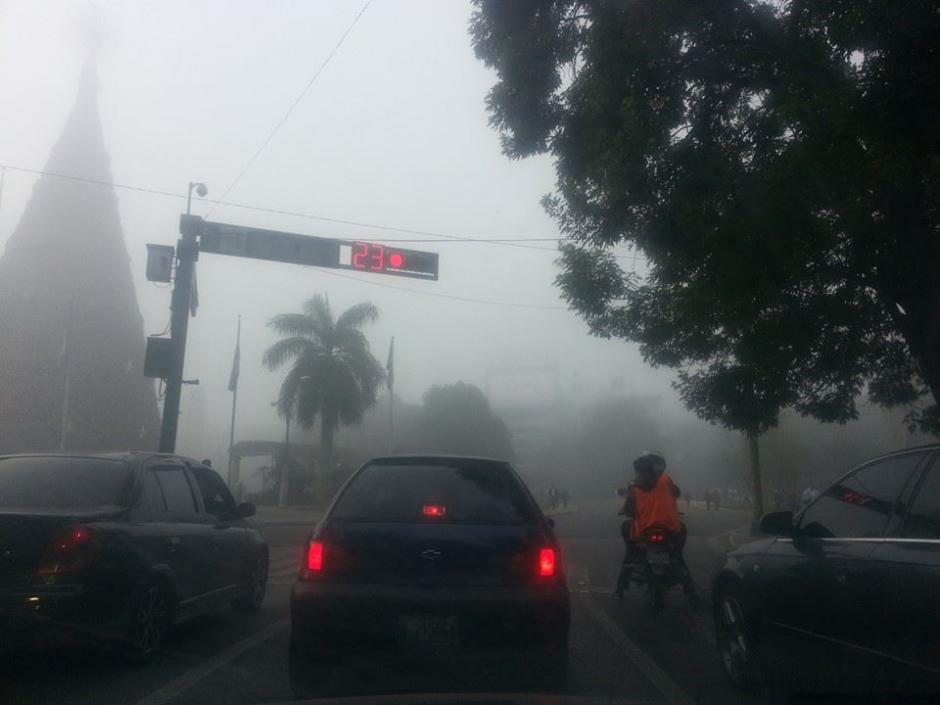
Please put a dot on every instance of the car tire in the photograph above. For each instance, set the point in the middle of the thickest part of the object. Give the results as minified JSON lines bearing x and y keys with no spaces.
{"x":309,"y":672}
{"x":658,"y":595}
{"x":254,"y":586}
{"x":736,"y":637}
{"x":150,"y":618}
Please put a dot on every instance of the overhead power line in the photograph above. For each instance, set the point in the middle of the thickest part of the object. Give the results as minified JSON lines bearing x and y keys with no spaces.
{"x":300,"y":97}
{"x":430,"y":234}
{"x":490,"y":302}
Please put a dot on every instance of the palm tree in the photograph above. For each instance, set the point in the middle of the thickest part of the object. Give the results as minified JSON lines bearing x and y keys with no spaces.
{"x":333,"y":374}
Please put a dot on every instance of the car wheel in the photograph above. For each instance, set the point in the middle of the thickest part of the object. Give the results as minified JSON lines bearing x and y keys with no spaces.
{"x":255,"y":586}
{"x":150,"y":619}
{"x":308,"y":671}
{"x":737,"y":645}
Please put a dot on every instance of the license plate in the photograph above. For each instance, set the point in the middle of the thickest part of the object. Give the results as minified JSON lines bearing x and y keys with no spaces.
{"x":429,"y":631}
{"x":657,"y":558}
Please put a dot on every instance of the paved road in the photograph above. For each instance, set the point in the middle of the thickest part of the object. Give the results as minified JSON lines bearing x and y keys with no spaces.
{"x":617,"y":650}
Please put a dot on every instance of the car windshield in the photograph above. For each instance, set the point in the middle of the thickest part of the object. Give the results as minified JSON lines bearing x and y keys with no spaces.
{"x":61,"y":483}
{"x":461,"y":347}
{"x":469,"y":492}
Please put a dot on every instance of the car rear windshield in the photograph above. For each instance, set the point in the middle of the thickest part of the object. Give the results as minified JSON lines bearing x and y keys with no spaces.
{"x":61,"y":483}
{"x":467,"y":492}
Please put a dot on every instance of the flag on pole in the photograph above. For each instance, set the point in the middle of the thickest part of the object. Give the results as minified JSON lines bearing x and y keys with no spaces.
{"x":390,"y":363}
{"x":233,"y":378}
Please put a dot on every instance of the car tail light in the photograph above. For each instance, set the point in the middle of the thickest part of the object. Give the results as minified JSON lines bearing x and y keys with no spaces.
{"x":72,"y":550}
{"x":434,"y":510}
{"x":314,"y":562}
{"x":547,"y":562}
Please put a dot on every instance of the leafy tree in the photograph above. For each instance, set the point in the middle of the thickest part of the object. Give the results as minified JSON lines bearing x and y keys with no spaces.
{"x":333,"y":374}
{"x":777,"y":163}
{"x":456,"y":418}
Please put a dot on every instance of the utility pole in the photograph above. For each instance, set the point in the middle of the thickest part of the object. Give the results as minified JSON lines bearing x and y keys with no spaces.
{"x":187,"y":252}
{"x":285,"y":466}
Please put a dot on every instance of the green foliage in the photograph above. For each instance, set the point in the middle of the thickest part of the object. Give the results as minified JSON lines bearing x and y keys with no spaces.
{"x":333,"y":372}
{"x":456,"y":418}
{"x":778,"y":164}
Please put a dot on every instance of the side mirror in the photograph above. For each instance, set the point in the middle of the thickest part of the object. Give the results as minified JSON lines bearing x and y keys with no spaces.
{"x":777,"y":524}
{"x":550,"y":522}
{"x":246,"y":509}
{"x":621,"y":491}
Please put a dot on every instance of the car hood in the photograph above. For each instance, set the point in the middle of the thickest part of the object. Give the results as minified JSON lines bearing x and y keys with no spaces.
{"x":466,"y":699}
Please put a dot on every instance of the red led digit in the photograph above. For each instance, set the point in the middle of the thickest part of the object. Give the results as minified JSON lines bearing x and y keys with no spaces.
{"x":362,"y":249}
{"x":396,"y":260}
{"x":378,"y":258}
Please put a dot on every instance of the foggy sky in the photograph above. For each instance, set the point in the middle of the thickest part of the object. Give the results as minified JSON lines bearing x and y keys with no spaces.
{"x":394,"y":132}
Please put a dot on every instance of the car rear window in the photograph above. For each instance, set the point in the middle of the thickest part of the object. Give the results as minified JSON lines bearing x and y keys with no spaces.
{"x":61,"y":483}
{"x":467,"y":492}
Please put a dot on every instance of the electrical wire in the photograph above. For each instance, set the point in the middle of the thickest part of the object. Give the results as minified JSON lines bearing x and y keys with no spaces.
{"x":290,"y":110}
{"x":444,"y":237}
{"x":506,"y":304}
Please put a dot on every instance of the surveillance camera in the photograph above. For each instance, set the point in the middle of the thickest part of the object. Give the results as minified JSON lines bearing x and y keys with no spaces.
{"x":201,"y":190}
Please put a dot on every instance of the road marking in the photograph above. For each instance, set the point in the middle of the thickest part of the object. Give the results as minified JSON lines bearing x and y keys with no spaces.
{"x":657,"y":676}
{"x":175,"y":687}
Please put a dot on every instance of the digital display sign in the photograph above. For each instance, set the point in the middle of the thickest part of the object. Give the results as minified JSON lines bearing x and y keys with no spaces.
{"x":276,"y":246}
{"x":373,"y":257}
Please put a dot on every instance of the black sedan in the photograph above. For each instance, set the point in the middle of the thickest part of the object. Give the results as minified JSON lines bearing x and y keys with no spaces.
{"x":846,"y":596}
{"x":119,"y":547}
{"x":433,"y":558}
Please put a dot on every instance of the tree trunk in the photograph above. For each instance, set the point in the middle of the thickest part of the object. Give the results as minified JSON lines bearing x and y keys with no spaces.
{"x":757,"y":488}
{"x":325,"y":471}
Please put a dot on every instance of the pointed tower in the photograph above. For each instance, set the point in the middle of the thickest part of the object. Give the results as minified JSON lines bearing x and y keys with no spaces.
{"x":71,"y":334}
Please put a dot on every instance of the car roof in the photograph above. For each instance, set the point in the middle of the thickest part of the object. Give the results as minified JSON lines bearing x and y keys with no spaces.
{"x":127,"y":455}
{"x":925,"y":447}
{"x":426,"y":457}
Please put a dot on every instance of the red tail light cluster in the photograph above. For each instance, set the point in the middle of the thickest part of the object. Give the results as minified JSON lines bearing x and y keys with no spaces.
{"x":434,"y":510}
{"x":314,"y":562}
{"x":657,"y":538}
{"x":547,"y":563}
{"x":72,"y":550}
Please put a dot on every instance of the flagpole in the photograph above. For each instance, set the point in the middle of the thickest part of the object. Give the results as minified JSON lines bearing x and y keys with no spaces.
{"x":390,"y":368}
{"x":233,"y":382}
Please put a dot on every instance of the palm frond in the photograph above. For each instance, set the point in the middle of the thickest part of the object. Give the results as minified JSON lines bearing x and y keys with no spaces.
{"x":317,"y":309}
{"x":357,"y":316}
{"x":286,"y":349}
{"x":294,"y":324}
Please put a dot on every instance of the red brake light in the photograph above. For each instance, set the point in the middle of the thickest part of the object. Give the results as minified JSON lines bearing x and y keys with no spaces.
{"x":72,"y":550}
{"x":657,"y":538}
{"x":546,"y":562}
{"x":434,"y":510}
{"x":315,"y":556}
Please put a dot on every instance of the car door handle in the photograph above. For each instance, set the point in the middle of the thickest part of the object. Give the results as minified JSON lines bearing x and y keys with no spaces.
{"x":845,"y":575}
{"x":174,"y":542}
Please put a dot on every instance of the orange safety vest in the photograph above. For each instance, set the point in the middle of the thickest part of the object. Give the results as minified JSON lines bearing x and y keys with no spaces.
{"x":656,"y":507}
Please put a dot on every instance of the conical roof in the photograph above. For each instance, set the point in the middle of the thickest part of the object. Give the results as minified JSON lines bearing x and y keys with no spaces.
{"x":66,"y":268}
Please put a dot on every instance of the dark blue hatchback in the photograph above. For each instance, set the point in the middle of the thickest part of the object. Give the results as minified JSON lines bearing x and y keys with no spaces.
{"x":430,"y":556}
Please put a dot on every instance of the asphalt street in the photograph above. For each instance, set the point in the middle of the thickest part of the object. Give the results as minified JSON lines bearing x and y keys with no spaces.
{"x":622,"y":651}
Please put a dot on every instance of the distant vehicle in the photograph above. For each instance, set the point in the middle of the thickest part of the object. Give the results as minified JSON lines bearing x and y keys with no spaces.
{"x":430,"y":556}
{"x":117,"y":548}
{"x":844,"y":597}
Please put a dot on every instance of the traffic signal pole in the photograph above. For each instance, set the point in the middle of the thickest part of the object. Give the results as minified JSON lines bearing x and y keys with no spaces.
{"x":187,"y":252}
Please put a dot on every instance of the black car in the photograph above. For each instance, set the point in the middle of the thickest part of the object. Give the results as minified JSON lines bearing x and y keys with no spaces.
{"x":119,"y":547}
{"x":430,"y":556}
{"x":846,"y":597}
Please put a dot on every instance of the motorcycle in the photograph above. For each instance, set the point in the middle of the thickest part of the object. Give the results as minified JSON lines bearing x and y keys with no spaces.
{"x":658,"y":564}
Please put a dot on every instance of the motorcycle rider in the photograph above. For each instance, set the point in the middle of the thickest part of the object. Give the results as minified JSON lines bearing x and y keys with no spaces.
{"x":651,"y":501}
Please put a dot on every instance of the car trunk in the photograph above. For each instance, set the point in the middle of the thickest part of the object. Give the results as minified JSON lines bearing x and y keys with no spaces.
{"x":430,"y":554}
{"x":26,"y":534}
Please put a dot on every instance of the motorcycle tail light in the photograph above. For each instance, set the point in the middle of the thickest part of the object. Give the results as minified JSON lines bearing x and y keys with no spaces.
{"x":657,"y":538}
